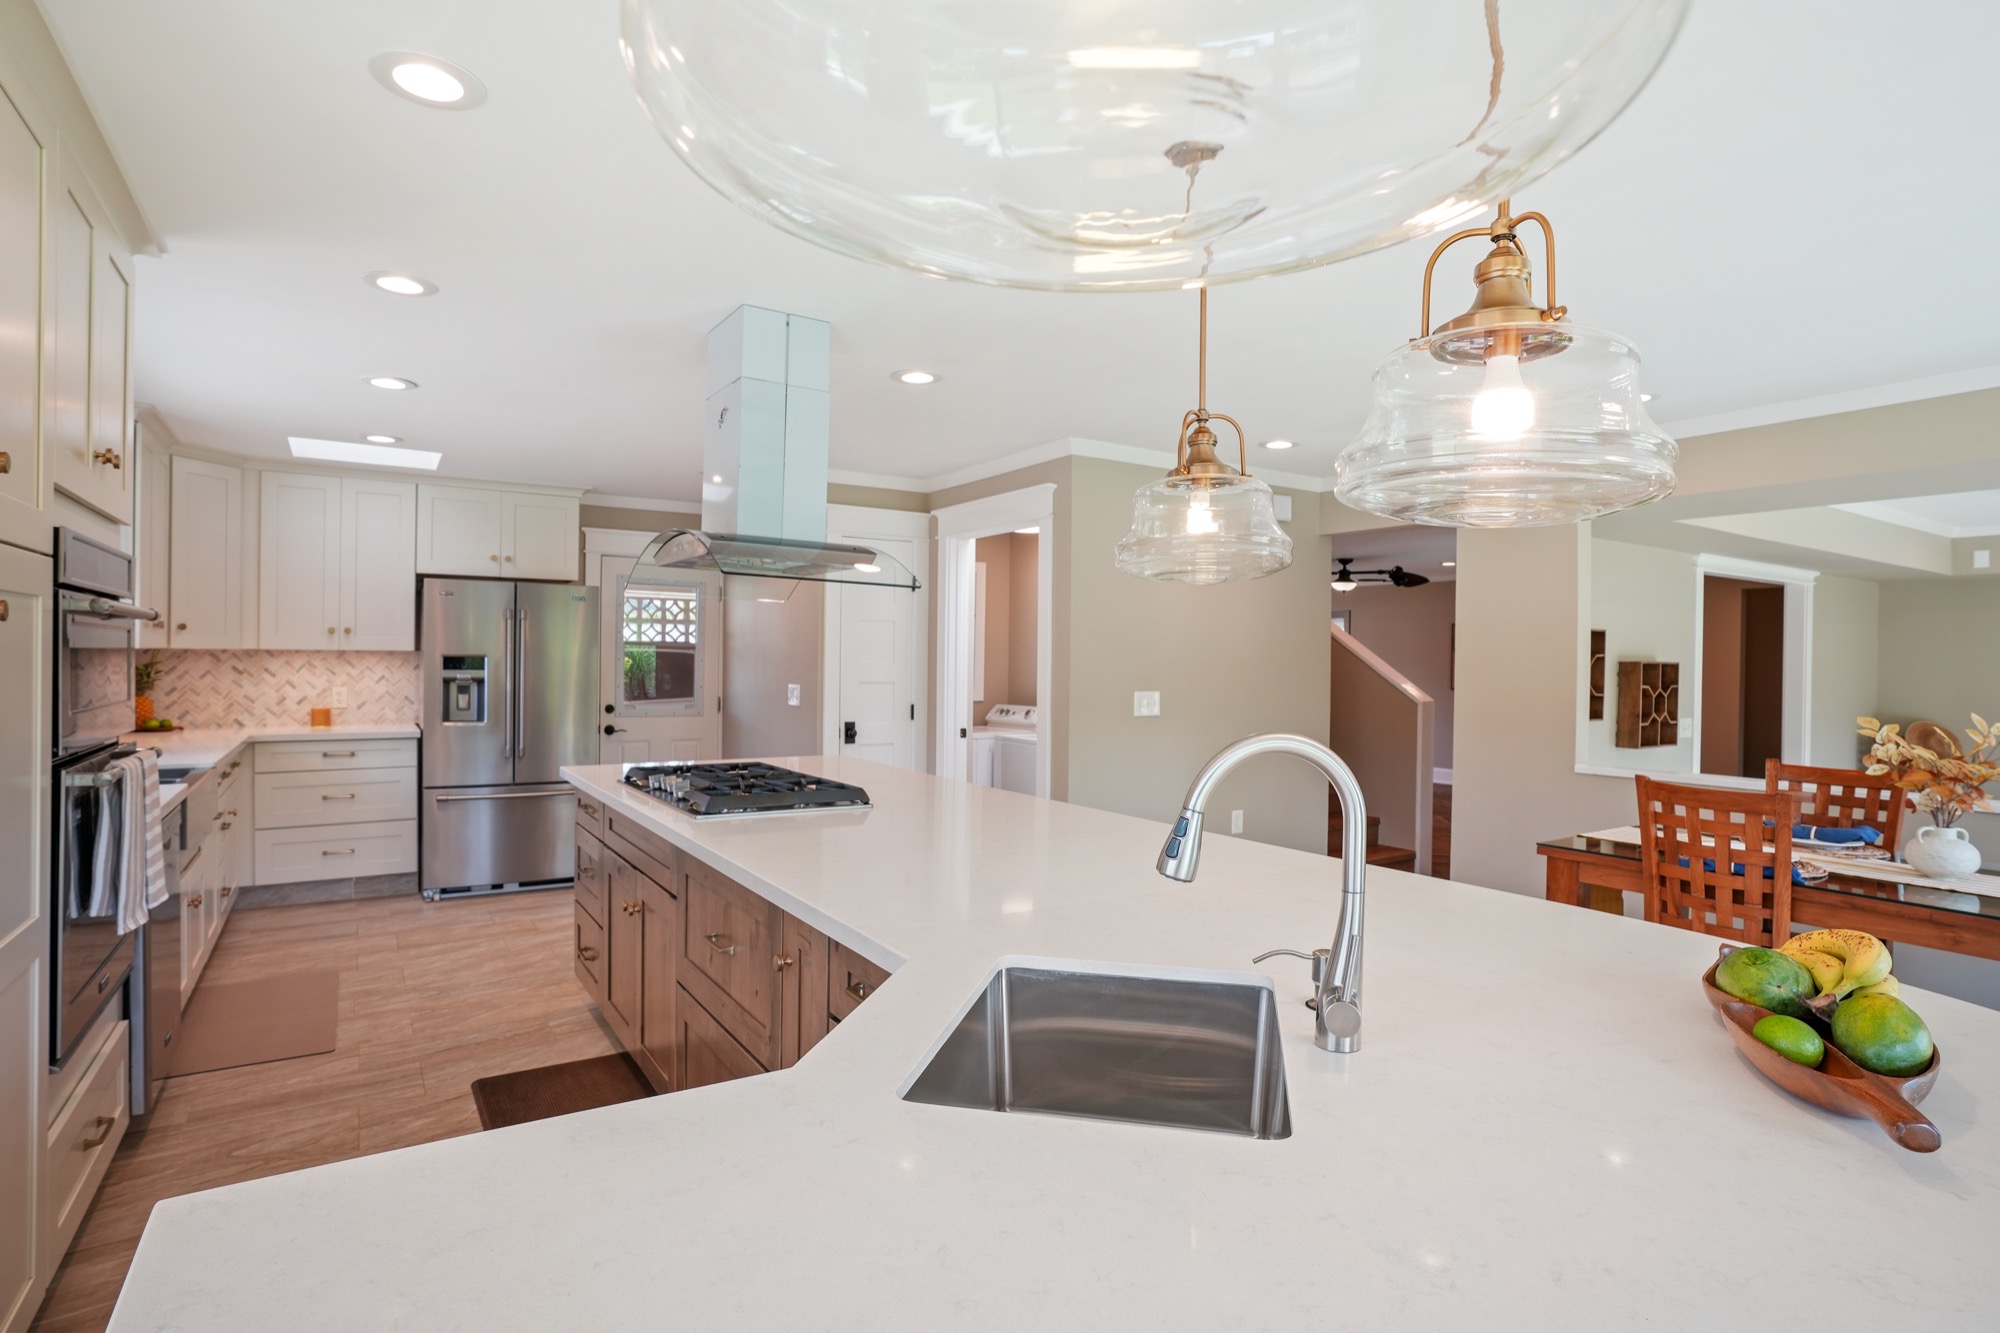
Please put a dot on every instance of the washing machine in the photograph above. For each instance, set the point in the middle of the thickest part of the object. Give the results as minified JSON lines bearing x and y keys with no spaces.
{"x":1003,"y":749}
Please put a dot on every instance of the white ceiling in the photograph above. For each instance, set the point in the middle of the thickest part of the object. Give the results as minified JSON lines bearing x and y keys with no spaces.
{"x":1797,"y":206}
{"x":1967,"y":514}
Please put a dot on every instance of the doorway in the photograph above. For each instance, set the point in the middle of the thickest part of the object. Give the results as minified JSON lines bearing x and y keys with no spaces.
{"x":659,"y":653}
{"x":1742,"y":675}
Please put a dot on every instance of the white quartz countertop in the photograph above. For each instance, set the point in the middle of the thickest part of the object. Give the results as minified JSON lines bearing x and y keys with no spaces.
{"x":205,"y":747}
{"x":1544,"y":1129}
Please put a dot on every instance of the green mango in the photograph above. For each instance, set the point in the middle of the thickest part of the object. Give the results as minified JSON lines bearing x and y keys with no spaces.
{"x":1882,"y":1034}
{"x":1768,"y":979}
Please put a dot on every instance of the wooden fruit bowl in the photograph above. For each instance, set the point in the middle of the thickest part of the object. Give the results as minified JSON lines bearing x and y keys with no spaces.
{"x":1838,"y":1085}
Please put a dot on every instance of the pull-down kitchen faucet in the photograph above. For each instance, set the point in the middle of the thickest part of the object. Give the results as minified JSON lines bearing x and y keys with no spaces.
{"x":1339,"y":984}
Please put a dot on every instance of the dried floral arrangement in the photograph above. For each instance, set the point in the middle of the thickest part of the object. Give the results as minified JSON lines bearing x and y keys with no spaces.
{"x":1943,"y":779}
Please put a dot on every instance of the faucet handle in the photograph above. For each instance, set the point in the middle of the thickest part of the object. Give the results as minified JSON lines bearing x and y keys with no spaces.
{"x":1318,"y":958}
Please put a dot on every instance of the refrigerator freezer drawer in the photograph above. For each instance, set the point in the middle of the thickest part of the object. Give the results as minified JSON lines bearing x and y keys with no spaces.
{"x":334,"y":755}
{"x":369,"y":795}
{"x":475,"y":837}
{"x":289,"y":856}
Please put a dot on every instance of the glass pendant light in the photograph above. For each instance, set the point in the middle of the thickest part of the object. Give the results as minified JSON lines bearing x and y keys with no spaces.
{"x":1508,"y":416}
{"x":1205,"y":521}
{"x":1036,"y":143}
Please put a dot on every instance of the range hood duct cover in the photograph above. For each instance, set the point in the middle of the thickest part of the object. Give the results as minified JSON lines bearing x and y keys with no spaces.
{"x":764,"y":464}
{"x":738,"y":556}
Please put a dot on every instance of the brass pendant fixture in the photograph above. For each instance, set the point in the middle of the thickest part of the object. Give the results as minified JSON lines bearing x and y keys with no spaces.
{"x":1507,"y":415}
{"x":1205,"y":521}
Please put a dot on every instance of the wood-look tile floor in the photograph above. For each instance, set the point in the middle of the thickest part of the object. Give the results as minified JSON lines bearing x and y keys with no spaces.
{"x":432,"y":996}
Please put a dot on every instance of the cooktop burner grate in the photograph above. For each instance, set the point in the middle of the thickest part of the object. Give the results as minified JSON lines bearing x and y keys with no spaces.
{"x":741,"y":788}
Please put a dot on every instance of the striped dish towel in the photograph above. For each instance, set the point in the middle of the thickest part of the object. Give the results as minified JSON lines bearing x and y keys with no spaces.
{"x":144,"y":884}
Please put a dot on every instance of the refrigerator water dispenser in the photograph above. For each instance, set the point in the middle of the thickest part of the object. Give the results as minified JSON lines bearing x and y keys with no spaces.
{"x":464,"y":682}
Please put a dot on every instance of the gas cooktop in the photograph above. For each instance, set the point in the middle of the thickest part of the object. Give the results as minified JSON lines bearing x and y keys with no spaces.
{"x":708,"y":790}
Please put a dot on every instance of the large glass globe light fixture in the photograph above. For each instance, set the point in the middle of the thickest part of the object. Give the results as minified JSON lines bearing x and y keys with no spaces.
{"x":1507,"y":416}
{"x":1131,"y":144}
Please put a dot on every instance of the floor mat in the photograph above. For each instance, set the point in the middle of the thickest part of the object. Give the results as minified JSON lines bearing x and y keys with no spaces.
{"x":253,"y":1022}
{"x":553,"y":1090}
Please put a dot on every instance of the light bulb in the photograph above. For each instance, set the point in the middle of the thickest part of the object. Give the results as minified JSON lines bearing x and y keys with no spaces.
{"x":1345,"y":585}
{"x":1503,"y":409}
{"x":1200,"y":519}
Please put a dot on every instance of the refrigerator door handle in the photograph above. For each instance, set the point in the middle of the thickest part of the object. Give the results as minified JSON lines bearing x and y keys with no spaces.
{"x":513,"y":684}
{"x":520,"y":689}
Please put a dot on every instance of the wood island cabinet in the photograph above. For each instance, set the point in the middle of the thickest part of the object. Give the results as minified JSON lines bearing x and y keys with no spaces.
{"x":702,"y":979}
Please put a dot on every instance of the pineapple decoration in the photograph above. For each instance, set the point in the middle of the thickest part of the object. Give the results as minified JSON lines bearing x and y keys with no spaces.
{"x":145,"y":672}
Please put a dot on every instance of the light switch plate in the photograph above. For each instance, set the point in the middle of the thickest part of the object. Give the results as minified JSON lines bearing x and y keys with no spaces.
{"x":1235,"y":821}
{"x":791,"y":696}
{"x":1281,"y":508}
{"x":1145,"y":703}
{"x":340,"y":696}
{"x":1982,"y":558}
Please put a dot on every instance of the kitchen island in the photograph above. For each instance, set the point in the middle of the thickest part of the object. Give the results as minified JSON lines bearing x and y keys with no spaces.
{"x":1545,"y":1128}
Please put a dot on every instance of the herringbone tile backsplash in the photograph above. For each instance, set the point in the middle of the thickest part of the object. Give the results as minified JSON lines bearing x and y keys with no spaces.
{"x":261,"y":689}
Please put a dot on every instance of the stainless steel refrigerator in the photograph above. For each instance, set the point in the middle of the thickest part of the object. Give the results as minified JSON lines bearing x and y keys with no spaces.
{"x":510,"y":696}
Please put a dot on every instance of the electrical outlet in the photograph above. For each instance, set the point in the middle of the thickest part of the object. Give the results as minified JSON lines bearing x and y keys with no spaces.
{"x":340,"y":696}
{"x":1145,"y":703}
{"x":1235,"y":821}
{"x":791,"y":696}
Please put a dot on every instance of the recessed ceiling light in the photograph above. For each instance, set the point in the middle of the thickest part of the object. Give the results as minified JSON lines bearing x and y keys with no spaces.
{"x":915,"y":377}
{"x":375,"y":455}
{"x":400,"y":284}
{"x":715,"y":479}
{"x":1027,"y":532}
{"x":383,"y":439}
{"x":1646,"y":397}
{"x":391,"y":382}
{"x":1451,"y":564}
{"x":427,"y":81}
{"x":1277,"y":444}
{"x":863,"y":567}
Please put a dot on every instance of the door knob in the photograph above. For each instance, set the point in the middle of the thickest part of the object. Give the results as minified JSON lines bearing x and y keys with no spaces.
{"x":610,"y":730}
{"x":848,"y":732}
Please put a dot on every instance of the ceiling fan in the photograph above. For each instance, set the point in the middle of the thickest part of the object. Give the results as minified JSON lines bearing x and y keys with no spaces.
{"x":1346,"y":579}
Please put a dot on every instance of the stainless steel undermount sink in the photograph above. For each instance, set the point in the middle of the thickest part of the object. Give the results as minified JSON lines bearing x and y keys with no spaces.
{"x":1150,"y":1050}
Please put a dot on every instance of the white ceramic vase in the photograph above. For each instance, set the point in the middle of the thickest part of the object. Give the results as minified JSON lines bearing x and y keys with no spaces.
{"x":1942,"y":853}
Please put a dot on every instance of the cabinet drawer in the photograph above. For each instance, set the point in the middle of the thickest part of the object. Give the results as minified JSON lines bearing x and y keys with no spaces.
{"x":591,"y":873}
{"x":659,"y":859}
{"x":84,"y":1137}
{"x":287,"y":856}
{"x":589,"y":951}
{"x":708,"y":1053}
{"x":850,"y":979}
{"x":590,"y":812}
{"x":365,"y":796}
{"x":334,"y":755}
{"x":731,"y":942}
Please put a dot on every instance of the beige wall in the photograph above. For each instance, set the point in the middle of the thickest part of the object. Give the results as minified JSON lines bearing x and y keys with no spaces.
{"x":1939,"y":646}
{"x":1846,"y":664}
{"x":1229,"y":660}
{"x":997,"y":555}
{"x":1022,"y":629}
{"x":878,"y":497}
{"x":765,"y":647}
{"x":1642,"y":597}
{"x":1374,"y":726}
{"x":1410,"y":629}
{"x":636,"y":520}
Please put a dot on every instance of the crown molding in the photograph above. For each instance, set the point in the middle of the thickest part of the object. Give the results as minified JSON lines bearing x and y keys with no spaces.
{"x":1068,"y":447}
{"x":1833,"y":404}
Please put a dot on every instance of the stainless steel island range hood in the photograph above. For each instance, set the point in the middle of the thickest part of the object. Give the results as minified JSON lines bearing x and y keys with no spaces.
{"x":764,"y":458}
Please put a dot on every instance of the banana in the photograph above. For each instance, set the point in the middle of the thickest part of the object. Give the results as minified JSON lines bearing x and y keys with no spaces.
{"x":1827,"y":971}
{"x":1864,"y":959}
{"x":1886,"y":986}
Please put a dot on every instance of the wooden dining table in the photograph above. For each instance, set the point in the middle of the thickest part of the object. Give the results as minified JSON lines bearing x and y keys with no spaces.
{"x":1906,"y":914}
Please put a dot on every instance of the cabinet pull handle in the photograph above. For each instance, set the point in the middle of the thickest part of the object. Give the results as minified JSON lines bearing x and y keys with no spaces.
{"x":346,"y":851}
{"x":226,"y":826}
{"x":228,"y":889}
{"x":631,"y":909}
{"x":586,"y":953}
{"x":108,"y":457}
{"x":336,"y":754}
{"x":190,"y":863}
{"x":715,"y":943}
{"x":104,"y":1124}
{"x":341,"y":796}
{"x":586,"y":872}
{"x":194,"y":901}
{"x":783,"y":961}
{"x":6,"y":462}
{"x":859,"y":990}
{"x":586,"y":807}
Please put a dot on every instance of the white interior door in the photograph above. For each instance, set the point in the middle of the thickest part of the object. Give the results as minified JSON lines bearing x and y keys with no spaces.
{"x":661,"y":655}
{"x":875,"y":644}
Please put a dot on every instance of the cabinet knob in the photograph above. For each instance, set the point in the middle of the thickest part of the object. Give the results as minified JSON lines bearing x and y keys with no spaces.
{"x":6,"y":462}
{"x":194,"y":901}
{"x":494,"y":558}
{"x":3,"y":608}
{"x":329,"y":629}
{"x":510,"y":559}
{"x":181,"y":626}
{"x":348,"y":630}
{"x":227,"y":889}
{"x":783,"y":961}
{"x":108,"y":457}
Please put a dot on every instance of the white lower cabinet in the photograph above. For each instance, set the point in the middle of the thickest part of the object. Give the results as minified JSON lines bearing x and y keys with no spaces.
{"x":84,"y":1137}
{"x":335,"y":810}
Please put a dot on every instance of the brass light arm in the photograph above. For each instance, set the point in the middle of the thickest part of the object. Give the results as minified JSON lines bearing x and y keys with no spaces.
{"x":1551,"y":311}
{"x":1446,"y":244}
{"x":1242,"y":443}
{"x":1502,"y":228}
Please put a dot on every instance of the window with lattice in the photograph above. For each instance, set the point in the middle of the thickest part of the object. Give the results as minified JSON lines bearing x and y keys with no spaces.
{"x":661,"y":643}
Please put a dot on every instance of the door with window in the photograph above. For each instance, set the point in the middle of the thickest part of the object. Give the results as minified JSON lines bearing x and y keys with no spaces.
{"x":662,"y":666}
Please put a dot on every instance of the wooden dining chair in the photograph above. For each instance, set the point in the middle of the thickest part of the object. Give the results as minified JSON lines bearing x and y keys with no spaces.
{"x":1842,"y":798}
{"x":1737,"y":884}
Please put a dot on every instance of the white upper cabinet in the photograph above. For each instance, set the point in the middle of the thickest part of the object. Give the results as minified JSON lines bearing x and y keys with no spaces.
{"x":476,"y":532}
{"x":90,"y":399}
{"x":24,"y":489}
{"x":337,"y":565}
{"x":378,"y":565}
{"x":205,"y":554}
{"x":151,"y":541}
{"x":298,"y":565}
{"x":538,"y":537}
